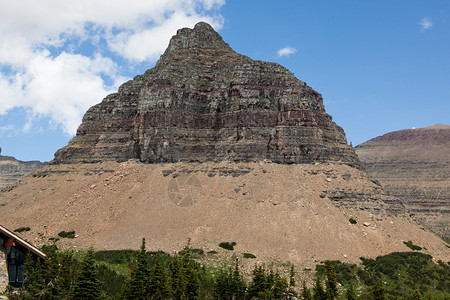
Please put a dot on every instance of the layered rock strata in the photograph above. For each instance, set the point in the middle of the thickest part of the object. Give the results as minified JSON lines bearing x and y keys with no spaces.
{"x":204,"y":102}
{"x":414,"y":165}
{"x":12,"y":170}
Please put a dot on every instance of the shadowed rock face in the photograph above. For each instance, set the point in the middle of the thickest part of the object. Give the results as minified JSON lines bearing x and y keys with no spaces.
{"x":204,"y":102}
{"x":414,"y":165}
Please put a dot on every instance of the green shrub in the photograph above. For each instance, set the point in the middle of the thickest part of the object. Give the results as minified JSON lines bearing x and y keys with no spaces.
{"x":227,"y":245}
{"x":249,"y":255}
{"x":67,"y":234}
{"x":352,"y":221}
{"x":198,"y":251}
{"x":411,"y":246}
{"x":115,"y":256}
{"x":22,"y":229}
{"x":212,"y":252}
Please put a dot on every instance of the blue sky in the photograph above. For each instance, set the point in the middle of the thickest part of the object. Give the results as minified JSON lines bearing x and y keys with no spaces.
{"x":380,"y":65}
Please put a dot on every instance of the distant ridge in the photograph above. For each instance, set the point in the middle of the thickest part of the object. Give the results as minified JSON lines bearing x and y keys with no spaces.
{"x":437,"y":127}
{"x":13,"y":170}
{"x":414,"y":165}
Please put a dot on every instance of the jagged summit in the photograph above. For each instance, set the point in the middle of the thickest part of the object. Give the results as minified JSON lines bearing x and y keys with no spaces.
{"x":205,"y":102}
{"x":202,"y":36}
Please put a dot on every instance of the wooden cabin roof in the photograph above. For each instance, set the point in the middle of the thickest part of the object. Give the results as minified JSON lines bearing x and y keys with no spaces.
{"x":7,"y":234}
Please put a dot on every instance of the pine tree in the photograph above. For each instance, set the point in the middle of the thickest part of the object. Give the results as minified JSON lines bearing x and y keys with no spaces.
{"x":292,"y":294}
{"x":184,"y":274}
{"x":416,"y":295}
{"x":64,"y":281}
{"x":306,"y":293}
{"x":258,"y":285}
{"x":230,"y":283}
{"x":279,"y":288}
{"x":238,"y":282}
{"x":87,"y":285}
{"x":159,"y":285}
{"x":318,"y":291}
{"x":377,"y":291}
{"x":192,"y":280}
{"x":34,"y":279}
{"x":53,"y":274}
{"x":179,"y":280}
{"x":350,"y":293}
{"x":137,"y":283}
{"x":331,"y":283}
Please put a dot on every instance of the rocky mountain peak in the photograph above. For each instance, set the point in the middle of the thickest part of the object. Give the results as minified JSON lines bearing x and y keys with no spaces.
{"x":202,"y":36}
{"x":200,"y":48}
{"x":205,"y":102}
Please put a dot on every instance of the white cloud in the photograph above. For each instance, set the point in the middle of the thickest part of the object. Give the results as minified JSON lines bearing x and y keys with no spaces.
{"x":44,"y":69}
{"x":150,"y":43}
{"x":286,"y":51}
{"x":425,"y":23}
{"x":61,"y":88}
{"x":7,"y":130}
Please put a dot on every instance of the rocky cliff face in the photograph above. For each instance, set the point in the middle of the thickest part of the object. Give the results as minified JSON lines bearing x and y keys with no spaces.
{"x":204,"y":102}
{"x":12,"y":170}
{"x":414,"y":165}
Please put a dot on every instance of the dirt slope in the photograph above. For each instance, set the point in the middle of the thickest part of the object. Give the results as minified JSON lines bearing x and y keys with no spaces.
{"x":273,"y":211}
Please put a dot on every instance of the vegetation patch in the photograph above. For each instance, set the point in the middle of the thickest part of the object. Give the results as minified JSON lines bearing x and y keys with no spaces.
{"x":53,"y":239}
{"x":248,"y":255}
{"x":212,"y":252}
{"x":22,"y":229}
{"x":39,"y":175}
{"x":352,"y":221}
{"x":143,"y":274}
{"x":411,"y":246}
{"x":227,"y":245}
{"x":67,"y":234}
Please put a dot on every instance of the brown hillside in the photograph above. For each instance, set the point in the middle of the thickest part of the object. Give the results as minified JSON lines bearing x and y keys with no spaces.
{"x":274,"y":211}
{"x":414,"y":165}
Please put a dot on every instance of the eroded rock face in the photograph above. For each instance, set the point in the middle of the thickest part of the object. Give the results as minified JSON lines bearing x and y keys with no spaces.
{"x":414,"y":165}
{"x":13,"y":170}
{"x":204,"y":102}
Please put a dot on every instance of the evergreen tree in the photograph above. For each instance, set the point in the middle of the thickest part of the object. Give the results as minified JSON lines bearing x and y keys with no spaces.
{"x":159,"y":285}
{"x":416,"y":295}
{"x":279,"y":288}
{"x":223,"y":285}
{"x":63,"y":283}
{"x":57,"y":271}
{"x":179,"y":280}
{"x":350,"y":293}
{"x":377,"y":291}
{"x":137,"y":282}
{"x":306,"y":293}
{"x":34,"y":279}
{"x":184,"y":274}
{"x":292,"y":294}
{"x":318,"y":291}
{"x":87,"y":285}
{"x":331,"y":283}
{"x":258,"y":285}
{"x":192,"y":280}
{"x":292,"y":277}
{"x":230,"y":283}
{"x":238,"y":282}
